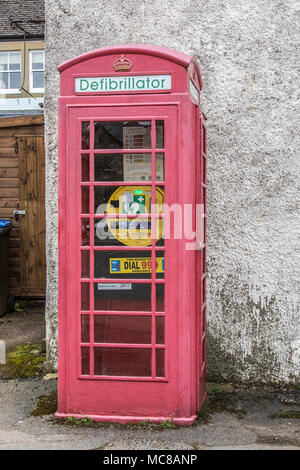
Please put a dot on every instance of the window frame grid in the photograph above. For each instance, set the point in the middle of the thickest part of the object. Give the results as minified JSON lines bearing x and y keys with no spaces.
{"x":32,"y":89}
{"x":92,"y":248}
{"x":9,"y":90}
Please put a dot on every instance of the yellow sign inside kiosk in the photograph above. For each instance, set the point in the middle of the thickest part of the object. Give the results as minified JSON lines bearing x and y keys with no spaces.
{"x":134,"y":200}
{"x":135,"y":265}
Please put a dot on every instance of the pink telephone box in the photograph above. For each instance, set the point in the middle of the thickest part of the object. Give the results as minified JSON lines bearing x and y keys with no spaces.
{"x":132,"y":272}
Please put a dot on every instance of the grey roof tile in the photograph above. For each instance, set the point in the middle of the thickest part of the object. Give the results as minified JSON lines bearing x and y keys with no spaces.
{"x":28,"y":14}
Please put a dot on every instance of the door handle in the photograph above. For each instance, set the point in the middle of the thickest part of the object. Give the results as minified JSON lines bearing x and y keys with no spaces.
{"x":17,"y":213}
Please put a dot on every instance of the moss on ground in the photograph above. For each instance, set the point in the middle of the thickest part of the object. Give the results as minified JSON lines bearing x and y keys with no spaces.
{"x":291,"y":414}
{"x":85,"y":421}
{"x":46,"y":405}
{"x":217,"y":402}
{"x":23,"y":362}
{"x":20,"y":306}
{"x":213,"y":387}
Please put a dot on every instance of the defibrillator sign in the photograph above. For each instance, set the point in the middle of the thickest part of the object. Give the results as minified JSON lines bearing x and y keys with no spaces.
{"x":135,"y":265}
{"x":122,"y":83}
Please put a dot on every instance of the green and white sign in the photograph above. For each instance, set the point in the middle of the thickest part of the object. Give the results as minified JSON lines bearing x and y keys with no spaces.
{"x":122,"y":83}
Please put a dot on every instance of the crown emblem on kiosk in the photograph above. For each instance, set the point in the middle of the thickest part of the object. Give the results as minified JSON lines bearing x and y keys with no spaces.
{"x":122,"y":64}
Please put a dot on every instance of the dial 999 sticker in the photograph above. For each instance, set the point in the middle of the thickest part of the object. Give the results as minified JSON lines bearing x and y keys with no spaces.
{"x":135,"y":265}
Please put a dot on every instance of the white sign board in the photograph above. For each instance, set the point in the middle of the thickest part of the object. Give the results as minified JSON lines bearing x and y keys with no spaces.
{"x":122,"y":83}
{"x":137,"y":166}
{"x":114,"y":286}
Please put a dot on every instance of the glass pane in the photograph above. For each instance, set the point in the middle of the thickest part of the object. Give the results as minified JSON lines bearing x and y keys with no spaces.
{"x":122,"y":296}
{"x":203,"y":297}
{"x":160,"y":264}
{"x":37,"y":60}
{"x":4,"y":80}
{"x":203,"y":350}
{"x":85,"y":361}
{"x":137,"y":167}
{"x":108,"y":167}
{"x":103,"y":235}
{"x":85,"y":296}
{"x":130,"y":232}
{"x":160,"y":297}
{"x":3,"y":62}
{"x":204,"y":139}
{"x":85,"y":135}
{"x":160,"y":170}
{"x":85,"y":328}
{"x":160,"y":137}
{"x":85,"y":167}
{"x":160,"y":363}
{"x":125,"y":264}
{"x":123,"y":167}
{"x":85,"y":232}
{"x":159,"y":199}
{"x":128,"y":362}
{"x":160,"y":232}
{"x":126,"y":134}
{"x":14,"y":61}
{"x":38,"y":79}
{"x":203,"y":195}
{"x":123,"y":200}
{"x":85,"y":264}
{"x":85,"y":200}
{"x":134,"y":329}
{"x":103,"y":196}
{"x":203,"y":320}
{"x":15,"y":80}
{"x":127,"y":199}
{"x":160,"y":330}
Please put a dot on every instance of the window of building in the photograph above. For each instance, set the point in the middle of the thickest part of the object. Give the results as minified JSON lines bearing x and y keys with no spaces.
{"x":10,"y":72}
{"x":37,"y":71}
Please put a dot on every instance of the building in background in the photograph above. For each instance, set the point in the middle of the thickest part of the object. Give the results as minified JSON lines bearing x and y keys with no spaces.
{"x":22,"y":157}
{"x":22,"y":57}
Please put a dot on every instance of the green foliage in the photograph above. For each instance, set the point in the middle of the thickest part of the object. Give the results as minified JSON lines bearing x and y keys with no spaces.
{"x":145,"y":424}
{"x":84,"y":421}
{"x":23,"y":362}
{"x":20,"y":305}
{"x":168,"y":424}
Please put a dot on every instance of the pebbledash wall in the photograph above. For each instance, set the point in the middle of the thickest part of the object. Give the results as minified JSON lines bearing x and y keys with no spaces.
{"x":247,"y":55}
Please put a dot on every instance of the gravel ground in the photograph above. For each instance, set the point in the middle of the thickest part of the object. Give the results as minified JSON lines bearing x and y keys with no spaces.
{"x":237,"y":420}
{"x":231,"y":419}
{"x":27,"y":325}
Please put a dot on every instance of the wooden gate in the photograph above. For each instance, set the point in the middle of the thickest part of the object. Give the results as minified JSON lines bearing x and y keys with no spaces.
{"x":22,"y":188}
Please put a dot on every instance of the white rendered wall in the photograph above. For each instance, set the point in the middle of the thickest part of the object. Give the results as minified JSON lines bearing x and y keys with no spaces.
{"x":247,"y":55}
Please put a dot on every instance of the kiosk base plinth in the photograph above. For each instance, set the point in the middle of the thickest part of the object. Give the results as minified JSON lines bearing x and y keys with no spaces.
{"x":130,"y":419}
